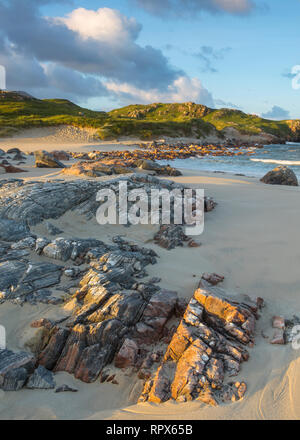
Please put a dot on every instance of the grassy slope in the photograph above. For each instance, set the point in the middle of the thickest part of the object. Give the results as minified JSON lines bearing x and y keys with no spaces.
{"x":144,"y":121}
{"x":17,"y":115}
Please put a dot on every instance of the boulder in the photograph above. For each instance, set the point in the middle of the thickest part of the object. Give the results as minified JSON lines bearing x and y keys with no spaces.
{"x":43,"y":159}
{"x":66,"y":389}
{"x":41,"y":379}
{"x":280,"y":176}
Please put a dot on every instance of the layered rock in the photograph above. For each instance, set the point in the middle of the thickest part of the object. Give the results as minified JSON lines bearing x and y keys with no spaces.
{"x":113,"y":313}
{"x":15,"y":369}
{"x":208,"y":345}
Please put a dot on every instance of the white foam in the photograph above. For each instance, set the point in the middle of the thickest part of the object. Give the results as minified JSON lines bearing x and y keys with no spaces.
{"x":279,"y":162}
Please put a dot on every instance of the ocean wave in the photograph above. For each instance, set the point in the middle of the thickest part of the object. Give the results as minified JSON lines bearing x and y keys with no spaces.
{"x":279,"y":162}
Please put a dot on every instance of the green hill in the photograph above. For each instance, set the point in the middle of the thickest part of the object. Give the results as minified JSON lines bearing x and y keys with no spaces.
{"x":19,"y":111}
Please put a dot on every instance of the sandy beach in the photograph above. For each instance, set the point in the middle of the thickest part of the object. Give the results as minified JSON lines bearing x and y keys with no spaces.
{"x":251,"y":238}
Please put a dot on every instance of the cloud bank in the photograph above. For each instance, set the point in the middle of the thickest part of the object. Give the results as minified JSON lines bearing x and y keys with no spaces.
{"x":87,"y":53}
{"x":277,"y":113}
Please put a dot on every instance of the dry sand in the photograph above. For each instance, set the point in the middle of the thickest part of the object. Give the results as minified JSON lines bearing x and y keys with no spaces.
{"x":252,"y":238}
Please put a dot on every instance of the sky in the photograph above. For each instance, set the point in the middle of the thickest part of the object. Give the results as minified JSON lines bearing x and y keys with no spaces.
{"x":107,"y":54}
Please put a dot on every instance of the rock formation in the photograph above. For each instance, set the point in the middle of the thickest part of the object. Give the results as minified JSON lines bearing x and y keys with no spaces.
{"x":208,"y":345}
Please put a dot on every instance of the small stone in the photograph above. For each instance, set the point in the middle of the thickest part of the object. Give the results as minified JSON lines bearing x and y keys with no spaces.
{"x":66,"y":389}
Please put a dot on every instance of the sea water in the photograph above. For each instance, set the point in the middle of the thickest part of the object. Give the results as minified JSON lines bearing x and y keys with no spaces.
{"x":256,"y":165}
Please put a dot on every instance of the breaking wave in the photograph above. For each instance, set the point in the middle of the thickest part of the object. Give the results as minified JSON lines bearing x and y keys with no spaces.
{"x":279,"y":162}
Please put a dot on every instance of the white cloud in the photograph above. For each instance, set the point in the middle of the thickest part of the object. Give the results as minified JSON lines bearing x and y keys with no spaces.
{"x":183,"y":89}
{"x":104,"y":25}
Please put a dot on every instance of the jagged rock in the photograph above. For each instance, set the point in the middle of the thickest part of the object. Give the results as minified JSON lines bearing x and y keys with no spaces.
{"x":65,"y":249}
{"x":11,"y":230}
{"x":207,"y":344}
{"x":33,"y":202}
{"x":43,"y":159}
{"x":109,"y":304}
{"x":14,"y":369}
{"x":37,"y":277}
{"x":41,"y":379}
{"x":7,"y":254}
{"x":14,"y":380}
{"x":92,"y":361}
{"x":280,"y":176}
{"x":127,"y":355}
{"x":233,"y":392}
{"x":74,"y":346}
{"x":26,"y":243}
{"x":49,"y":356}
{"x":159,"y":309}
{"x":11,"y":273}
{"x":170,"y":236}
{"x":66,"y":389}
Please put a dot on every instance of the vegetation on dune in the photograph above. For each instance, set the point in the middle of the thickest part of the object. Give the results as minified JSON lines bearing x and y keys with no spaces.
{"x":19,"y":114}
{"x":19,"y":111}
{"x":246,"y":124}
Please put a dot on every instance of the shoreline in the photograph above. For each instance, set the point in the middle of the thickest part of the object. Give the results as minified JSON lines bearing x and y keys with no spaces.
{"x":252,"y":239}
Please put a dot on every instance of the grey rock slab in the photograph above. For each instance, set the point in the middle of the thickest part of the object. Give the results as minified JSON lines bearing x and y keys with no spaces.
{"x":42,"y":379}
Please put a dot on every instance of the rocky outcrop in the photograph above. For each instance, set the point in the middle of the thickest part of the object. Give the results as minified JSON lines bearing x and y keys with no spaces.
{"x":111,"y":166}
{"x":280,"y":176}
{"x":11,"y":230}
{"x":43,"y":159}
{"x":208,"y":345}
{"x":114,"y":313}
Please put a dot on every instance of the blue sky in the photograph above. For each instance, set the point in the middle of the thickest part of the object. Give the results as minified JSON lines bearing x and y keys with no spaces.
{"x":215,"y":55}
